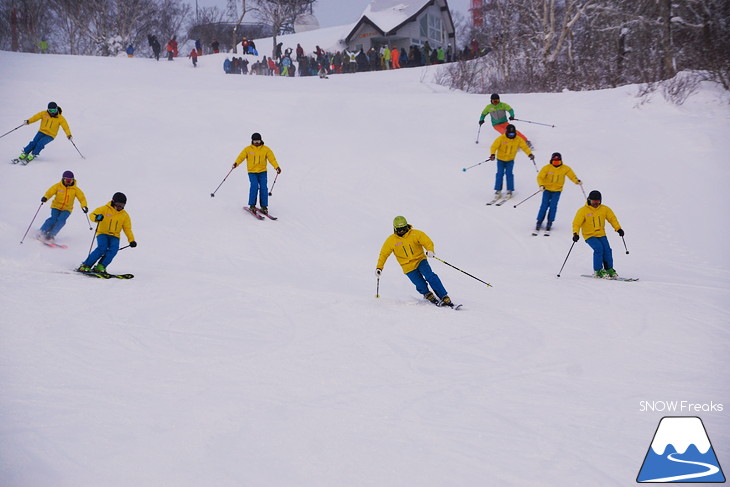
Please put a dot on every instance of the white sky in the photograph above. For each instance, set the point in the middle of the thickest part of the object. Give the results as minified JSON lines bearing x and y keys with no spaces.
{"x":337,"y":12}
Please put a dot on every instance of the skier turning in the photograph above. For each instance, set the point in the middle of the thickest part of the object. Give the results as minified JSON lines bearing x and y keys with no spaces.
{"x":551,"y":179}
{"x":51,"y":120}
{"x":111,"y":220}
{"x":500,"y":114}
{"x":63,"y":193}
{"x":591,"y":220}
{"x":412,"y":247}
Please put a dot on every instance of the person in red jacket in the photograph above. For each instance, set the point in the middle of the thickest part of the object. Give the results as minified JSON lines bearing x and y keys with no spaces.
{"x":194,"y":56}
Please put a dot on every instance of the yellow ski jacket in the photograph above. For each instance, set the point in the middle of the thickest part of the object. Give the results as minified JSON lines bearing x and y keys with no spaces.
{"x":64,"y":196}
{"x":114,"y":222}
{"x":592,"y":221}
{"x":553,"y":178}
{"x":256,"y":158}
{"x":49,"y":124}
{"x":408,"y":249}
{"x":506,"y":148}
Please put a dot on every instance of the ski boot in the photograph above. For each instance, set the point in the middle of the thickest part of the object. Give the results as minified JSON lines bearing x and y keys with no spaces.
{"x":430,"y":296}
{"x":101,"y":269}
{"x":446,"y":301}
{"x":265,"y":210}
{"x":611,"y":274}
{"x":84,"y":268}
{"x":600,"y":274}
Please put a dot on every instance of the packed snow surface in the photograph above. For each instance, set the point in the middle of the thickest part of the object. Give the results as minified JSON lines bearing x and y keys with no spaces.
{"x":255,"y":353}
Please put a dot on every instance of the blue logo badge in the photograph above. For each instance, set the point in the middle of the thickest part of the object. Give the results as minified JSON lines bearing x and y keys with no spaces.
{"x":680,"y":452}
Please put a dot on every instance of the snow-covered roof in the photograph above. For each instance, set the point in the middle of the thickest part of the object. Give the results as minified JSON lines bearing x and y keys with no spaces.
{"x":389,"y":14}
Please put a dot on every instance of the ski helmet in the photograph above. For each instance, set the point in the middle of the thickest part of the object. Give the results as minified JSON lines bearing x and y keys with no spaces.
{"x":255,"y":136}
{"x":594,"y":195}
{"x":68,"y":175}
{"x":556,"y":156}
{"x":400,"y":222}
{"x":494,"y":96}
{"x":510,"y":131}
{"x":52,"y":106}
{"x":119,"y":198}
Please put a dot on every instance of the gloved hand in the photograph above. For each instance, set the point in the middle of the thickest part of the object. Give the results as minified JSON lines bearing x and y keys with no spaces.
{"x":25,"y":122}
{"x":481,"y":122}
{"x":532,"y":157}
{"x":84,"y":209}
{"x":378,"y":272}
{"x":43,"y":199}
{"x":430,"y":254}
{"x":98,"y":218}
{"x":511,"y":118}
{"x":133,"y":244}
{"x":542,"y":188}
{"x":620,"y":231}
{"x":70,"y":137}
{"x":234,"y":165}
{"x":579,"y":182}
{"x":575,"y":237}
{"x":278,"y":170}
{"x":491,"y":157}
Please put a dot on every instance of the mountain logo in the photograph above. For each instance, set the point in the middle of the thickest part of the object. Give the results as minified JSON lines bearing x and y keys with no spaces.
{"x":680,"y":452}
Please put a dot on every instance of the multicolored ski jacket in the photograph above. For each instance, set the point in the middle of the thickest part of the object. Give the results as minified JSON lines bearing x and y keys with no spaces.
{"x":497,"y":112}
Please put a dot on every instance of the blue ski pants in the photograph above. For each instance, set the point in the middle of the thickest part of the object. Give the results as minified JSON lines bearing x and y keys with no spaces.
{"x":505,"y":168}
{"x":258,"y":188}
{"x":107,"y":247}
{"x":602,"y":254}
{"x":549,"y":205}
{"x":422,"y":276}
{"x":55,"y":222}
{"x":38,"y":143}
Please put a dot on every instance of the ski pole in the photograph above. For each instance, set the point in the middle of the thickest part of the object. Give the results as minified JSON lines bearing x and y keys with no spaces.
{"x":566,"y":259}
{"x":533,"y":194}
{"x":221,"y":184}
{"x":16,"y":128}
{"x":625,"y":247}
{"x":377,"y":288}
{"x":92,"y":239}
{"x":462,"y":271}
{"x":77,"y":149}
{"x":274,"y":183}
{"x":536,"y":169}
{"x":87,"y":220}
{"x":475,"y":165}
{"x":478,"y":132}
{"x":536,"y":123}
{"x":584,"y":191}
{"x":31,"y":222}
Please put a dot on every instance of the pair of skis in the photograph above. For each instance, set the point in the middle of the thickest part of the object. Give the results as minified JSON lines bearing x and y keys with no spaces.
{"x":23,"y":162}
{"x":104,"y":275}
{"x":499,"y":200}
{"x":617,"y":278}
{"x":258,"y":214}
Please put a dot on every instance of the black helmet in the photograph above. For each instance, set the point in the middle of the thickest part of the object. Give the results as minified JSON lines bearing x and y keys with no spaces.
{"x":557,"y":156}
{"x":119,"y":198}
{"x":594,"y":195}
{"x":52,"y":106}
{"x":255,"y":136}
{"x":510,"y":131}
{"x":494,"y":96}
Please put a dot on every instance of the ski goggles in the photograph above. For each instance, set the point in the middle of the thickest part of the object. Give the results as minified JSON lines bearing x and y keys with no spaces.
{"x":119,"y":206}
{"x":53,"y":111}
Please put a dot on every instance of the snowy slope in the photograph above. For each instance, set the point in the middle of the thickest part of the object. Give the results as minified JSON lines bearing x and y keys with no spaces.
{"x":255,"y":353}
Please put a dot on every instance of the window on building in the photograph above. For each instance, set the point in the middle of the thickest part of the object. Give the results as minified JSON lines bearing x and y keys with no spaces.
{"x":431,"y":29}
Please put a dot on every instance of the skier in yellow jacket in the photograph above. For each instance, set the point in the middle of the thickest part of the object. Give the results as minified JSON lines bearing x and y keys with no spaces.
{"x":63,"y":193}
{"x":257,"y":155}
{"x":411,"y":248}
{"x":504,"y":149}
{"x":51,"y":120}
{"x":551,"y":179}
{"x":591,"y":221}
{"x":111,"y":220}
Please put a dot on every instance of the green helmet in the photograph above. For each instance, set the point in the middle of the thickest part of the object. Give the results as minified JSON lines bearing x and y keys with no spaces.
{"x":399,"y":222}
